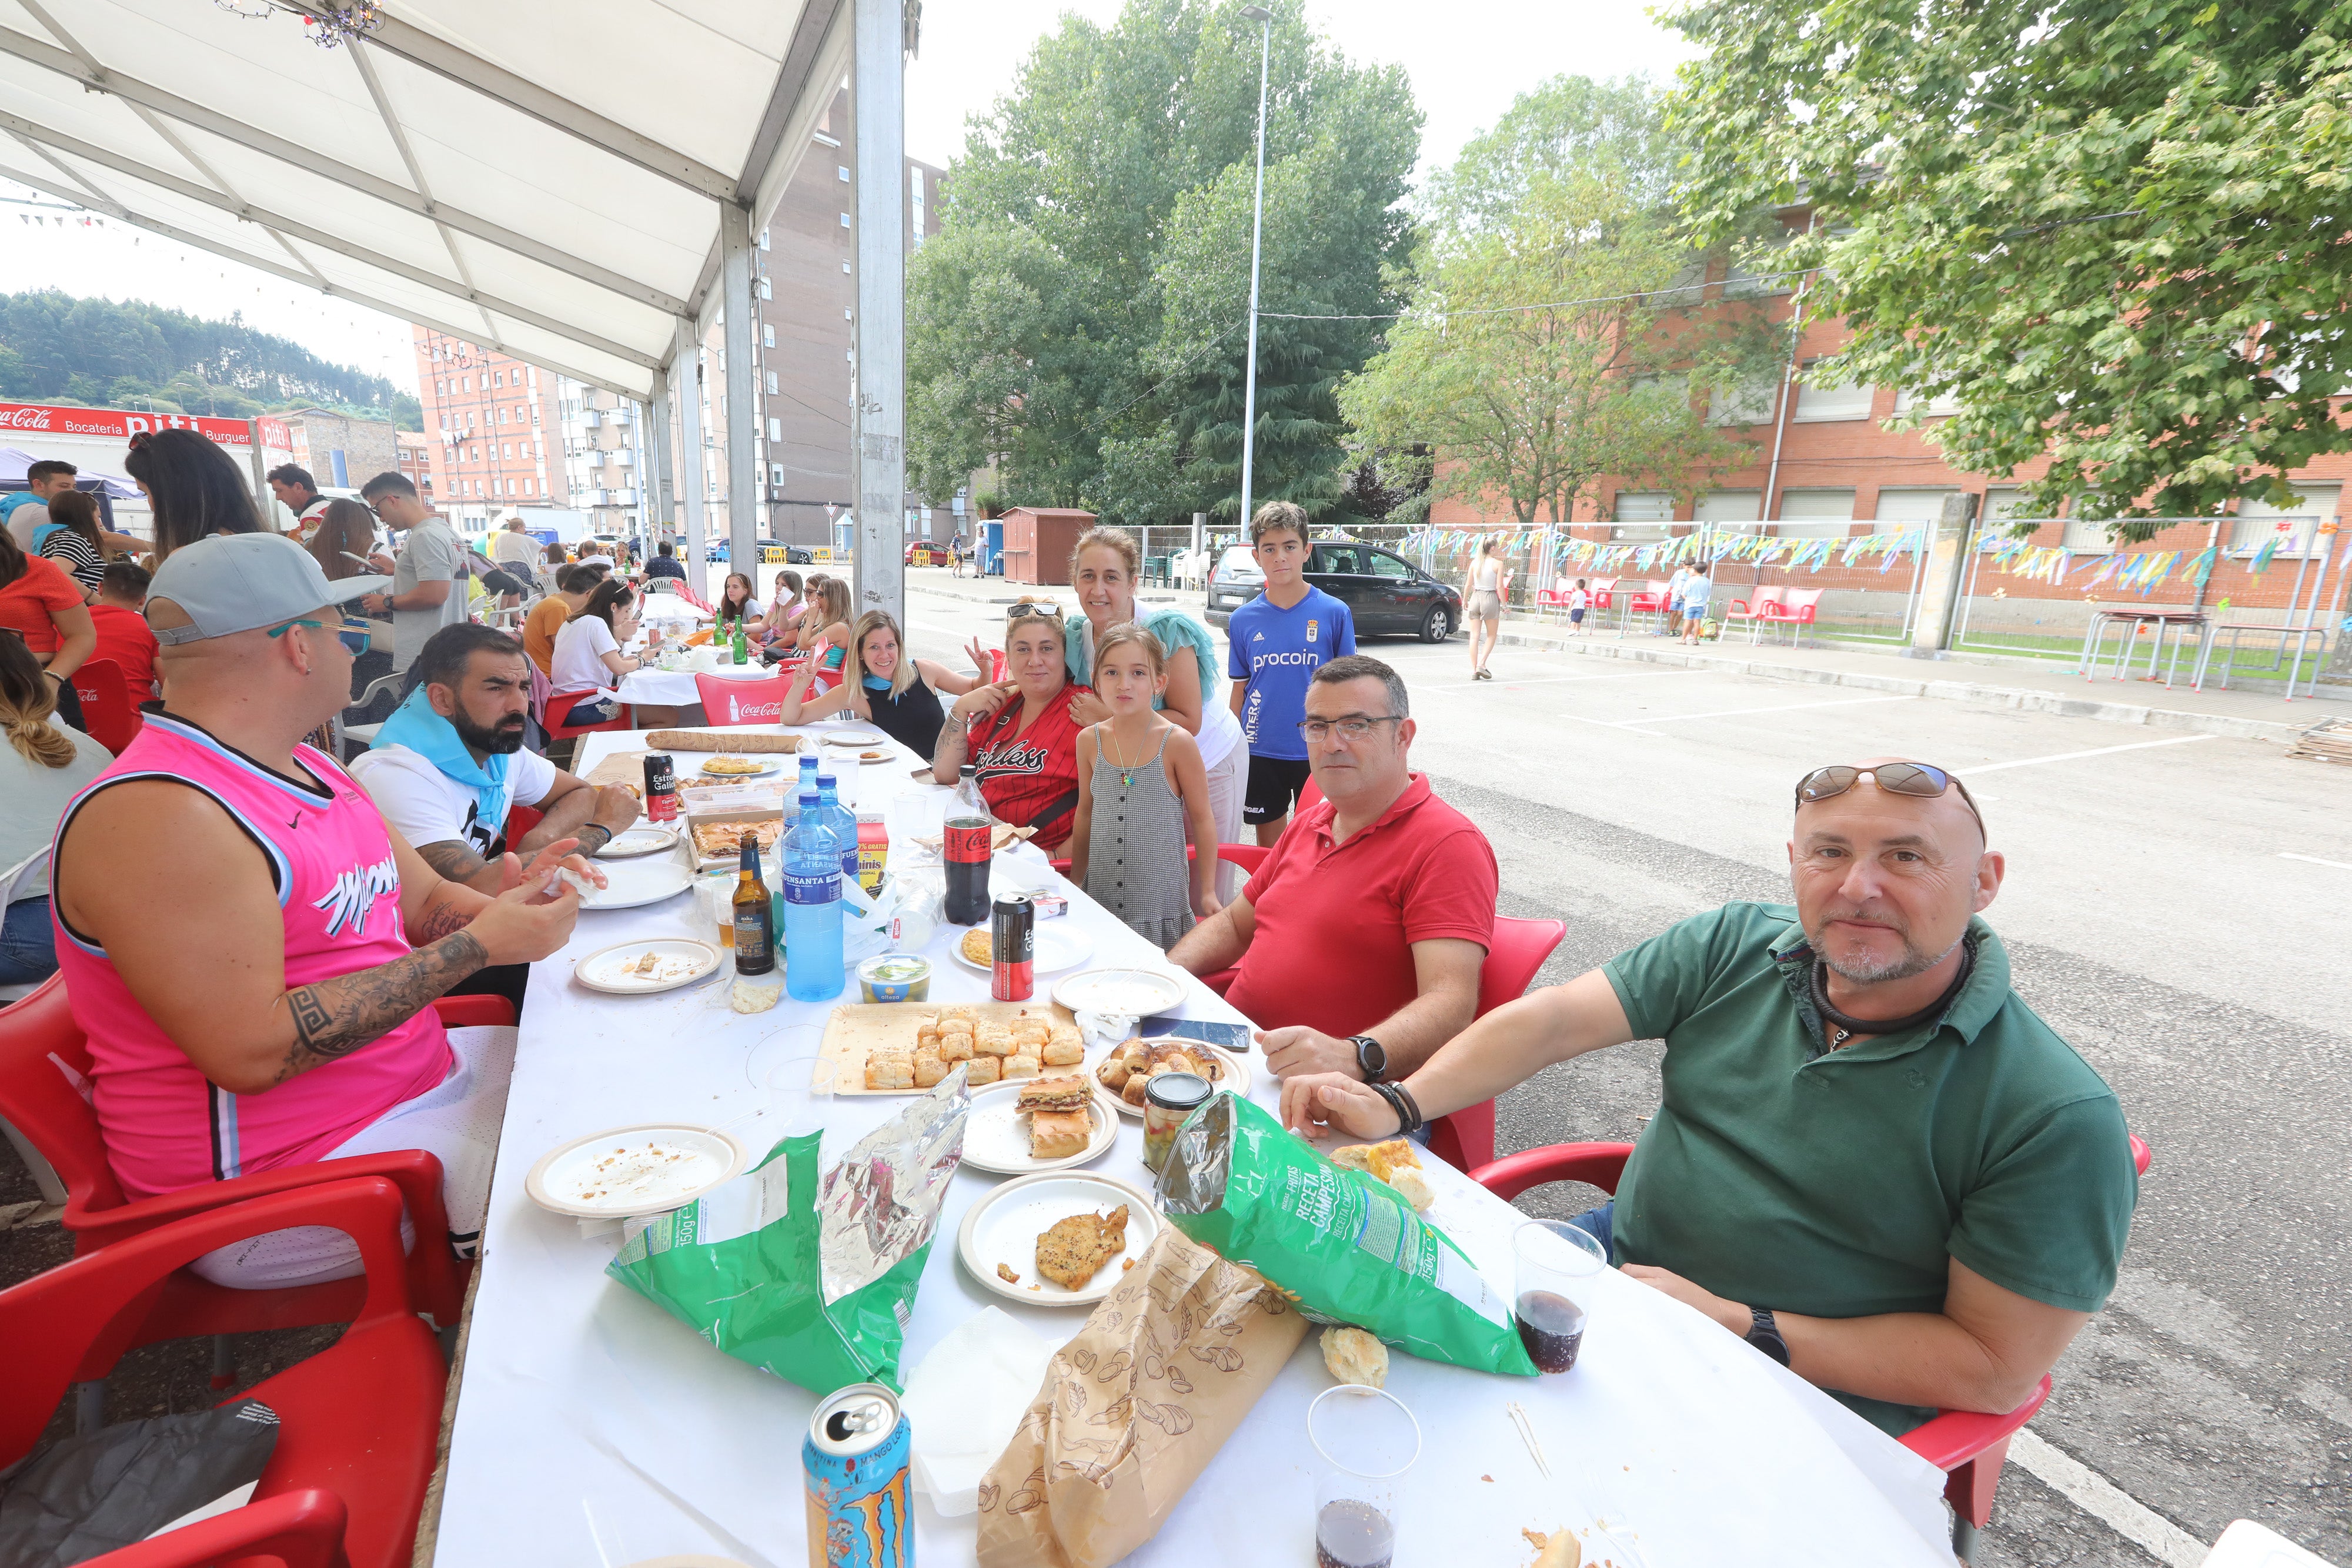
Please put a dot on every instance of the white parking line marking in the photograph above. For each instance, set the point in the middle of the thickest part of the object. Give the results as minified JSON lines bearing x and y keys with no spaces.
{"x":2103,"y":1500}
{"x":2339,"y":865}
{"x":1550,"y":680}
{"x":2071,"y":755}
{"x":1636,"y":724}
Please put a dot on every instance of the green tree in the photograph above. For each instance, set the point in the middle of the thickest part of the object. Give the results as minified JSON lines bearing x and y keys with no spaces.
{"x":1082,"y":318}
{"x":2112,"y":229}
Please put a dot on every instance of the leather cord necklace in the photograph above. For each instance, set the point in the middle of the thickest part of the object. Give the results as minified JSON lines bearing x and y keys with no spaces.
{"x":1848,"y":1026}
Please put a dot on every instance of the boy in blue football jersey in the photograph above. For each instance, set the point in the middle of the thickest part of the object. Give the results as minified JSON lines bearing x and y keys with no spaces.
{"x":1276,"y":644}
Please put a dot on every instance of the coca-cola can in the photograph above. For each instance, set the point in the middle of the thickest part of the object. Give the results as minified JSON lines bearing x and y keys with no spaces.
{"x":1012,"y":947}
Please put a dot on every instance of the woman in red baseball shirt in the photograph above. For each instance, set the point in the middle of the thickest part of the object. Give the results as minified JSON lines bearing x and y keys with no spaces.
{"x":1019,"y":732}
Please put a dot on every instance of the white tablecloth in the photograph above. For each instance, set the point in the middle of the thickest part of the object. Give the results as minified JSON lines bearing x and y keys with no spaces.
{"x":675,"y":688}
{"x":591,"y":1427}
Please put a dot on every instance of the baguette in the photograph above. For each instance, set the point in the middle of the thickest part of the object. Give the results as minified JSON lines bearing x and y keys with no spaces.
{"x":720,"y":740}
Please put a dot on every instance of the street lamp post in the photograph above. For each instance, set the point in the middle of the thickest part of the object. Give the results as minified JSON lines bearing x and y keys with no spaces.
{"x":1259,"y":14}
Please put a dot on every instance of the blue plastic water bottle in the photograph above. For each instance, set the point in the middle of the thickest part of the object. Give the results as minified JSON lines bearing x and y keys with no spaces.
{"x":841,"y":819}
{"x":808,"y":768}
{"x":812,"y":967}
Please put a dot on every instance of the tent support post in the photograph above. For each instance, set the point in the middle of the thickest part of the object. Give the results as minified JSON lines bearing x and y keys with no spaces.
{"x":879,"y":104}
{"x":263,"y":497}
{"x":742,"y":420}
{"x":661,"y":517}
{"x":686,"y":375}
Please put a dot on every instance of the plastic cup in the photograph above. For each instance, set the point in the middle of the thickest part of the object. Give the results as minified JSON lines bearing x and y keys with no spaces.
{"x":1557,"y":1266}
{"x":800,"y":1095}
{"x":1364,"y":1441}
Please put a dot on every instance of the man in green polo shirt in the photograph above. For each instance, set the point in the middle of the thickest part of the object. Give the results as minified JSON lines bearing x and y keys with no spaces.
{"x":1871,"y":1160}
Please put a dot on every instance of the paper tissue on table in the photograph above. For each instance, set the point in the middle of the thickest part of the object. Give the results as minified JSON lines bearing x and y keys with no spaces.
{"x":1345,"y":1246}
{"x":1133,"y":1409}
{"x":964,"y":1400}
{"x":812,"y":1281}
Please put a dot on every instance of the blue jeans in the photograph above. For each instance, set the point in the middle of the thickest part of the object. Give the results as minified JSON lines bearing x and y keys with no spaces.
{"x":27,"y":947}
{"x":1600,"y":1224}
{"x":603,"y":710}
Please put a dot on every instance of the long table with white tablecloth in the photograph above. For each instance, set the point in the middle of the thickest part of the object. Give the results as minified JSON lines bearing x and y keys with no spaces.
{"x":592,"y":1428}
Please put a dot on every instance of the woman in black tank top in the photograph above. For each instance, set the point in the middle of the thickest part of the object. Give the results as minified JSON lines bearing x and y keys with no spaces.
{"x":896,"y":695}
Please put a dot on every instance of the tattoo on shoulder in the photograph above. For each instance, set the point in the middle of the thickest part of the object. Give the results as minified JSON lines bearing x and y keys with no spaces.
{"x":335,"y":1018}
{"x":453,"y":858}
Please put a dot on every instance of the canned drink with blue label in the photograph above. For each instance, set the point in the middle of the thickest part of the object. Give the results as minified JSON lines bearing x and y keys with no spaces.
{"x":855,"y":1458}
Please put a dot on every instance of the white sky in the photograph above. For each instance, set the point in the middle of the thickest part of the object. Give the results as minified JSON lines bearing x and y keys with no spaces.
{"x":1468,"y":59}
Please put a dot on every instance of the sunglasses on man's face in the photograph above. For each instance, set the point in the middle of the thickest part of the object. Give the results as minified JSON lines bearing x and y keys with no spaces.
{"x":1914,"y":778}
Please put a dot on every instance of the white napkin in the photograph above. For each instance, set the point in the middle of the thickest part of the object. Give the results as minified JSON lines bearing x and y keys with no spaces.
{"x":1105,"y":1028}
{"x":965,"y":1399}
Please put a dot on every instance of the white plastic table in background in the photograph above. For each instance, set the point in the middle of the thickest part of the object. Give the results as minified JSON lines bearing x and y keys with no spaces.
{"x":593,"y":1428}
{"x":675,"y":688}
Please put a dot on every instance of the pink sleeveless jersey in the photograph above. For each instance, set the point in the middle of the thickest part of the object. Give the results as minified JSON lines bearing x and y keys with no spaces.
{"x":166,"y":1126}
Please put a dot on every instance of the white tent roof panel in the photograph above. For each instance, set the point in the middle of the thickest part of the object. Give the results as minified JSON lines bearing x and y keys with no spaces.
{"x":541,"y":176}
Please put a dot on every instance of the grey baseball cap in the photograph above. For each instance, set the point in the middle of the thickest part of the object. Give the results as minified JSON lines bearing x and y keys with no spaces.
{"x":241,"y":582}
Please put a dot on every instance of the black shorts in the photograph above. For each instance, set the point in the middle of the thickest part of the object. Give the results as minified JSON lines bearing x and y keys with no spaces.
{"x":1274,"y":783}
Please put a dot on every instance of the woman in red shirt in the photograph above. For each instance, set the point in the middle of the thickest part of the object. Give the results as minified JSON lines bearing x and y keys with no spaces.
{"x":1019,"y":732}
{"x":41,"y":604}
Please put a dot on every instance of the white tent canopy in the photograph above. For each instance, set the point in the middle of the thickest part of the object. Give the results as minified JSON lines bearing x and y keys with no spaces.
{"x":546,"y":179}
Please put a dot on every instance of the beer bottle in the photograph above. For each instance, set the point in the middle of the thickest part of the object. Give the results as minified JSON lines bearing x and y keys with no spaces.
{"x":755,"y":917}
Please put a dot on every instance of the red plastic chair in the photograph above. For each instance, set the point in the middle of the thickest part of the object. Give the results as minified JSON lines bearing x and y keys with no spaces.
{"x":1796,"y":610}
{"x":45,"y":1066}
{"x":112,"y":719}
{"x":1754,"y":614}
{"x":1967,"y":1446}
{"x":726,"y":702}
{"x":300,"y":1529}
{"x":558,"y":725}
{"x":359,"y":1419}
{"x":1465,"y":1139}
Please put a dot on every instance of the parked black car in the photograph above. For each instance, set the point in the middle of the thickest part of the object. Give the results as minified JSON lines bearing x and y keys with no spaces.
{"x":1386,"y":594}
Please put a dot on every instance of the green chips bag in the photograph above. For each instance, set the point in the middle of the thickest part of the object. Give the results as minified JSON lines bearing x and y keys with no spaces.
{"x":812,"y":1281}
{"x":1342,"y":1244}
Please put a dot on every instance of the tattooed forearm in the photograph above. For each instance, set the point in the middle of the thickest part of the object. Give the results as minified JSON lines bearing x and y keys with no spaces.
{"x":335,"y":1018}
{"x":437,"y":920}
{"x":454,"y":859}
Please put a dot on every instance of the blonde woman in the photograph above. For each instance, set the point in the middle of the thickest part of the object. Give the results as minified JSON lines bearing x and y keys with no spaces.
{"x":43,"y":767}
{"x":896,"y":694}
{"x":824,"y":633}
{"x":1483,"y":593}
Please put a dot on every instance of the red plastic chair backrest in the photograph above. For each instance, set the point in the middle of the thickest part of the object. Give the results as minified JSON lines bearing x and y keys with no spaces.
{"x":559,"y":710}
{"x":40,"y":1045}
{"x":106,"y":706}
{"x":51,"y":1320}
{"x":300,"y":1529}
{"x":726,"y":702}
{"x":1520,"y":949}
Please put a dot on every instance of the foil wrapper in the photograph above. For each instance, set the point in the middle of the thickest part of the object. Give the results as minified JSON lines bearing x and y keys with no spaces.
{"x":1192,"y":1181}
{"x":881,"y":1202}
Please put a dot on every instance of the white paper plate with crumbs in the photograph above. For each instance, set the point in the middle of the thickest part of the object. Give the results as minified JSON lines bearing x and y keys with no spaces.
{"x":996,"y":1136}
{"x":1126,"y":993}
{"x":642,"y":968}
{"x":630,"y":885}
{"x":1053,"y":948}
{"x":645,"y":839}
{"x":999,"y":1235}
{"x":856,"y":737}
{"x":625,"y":1171}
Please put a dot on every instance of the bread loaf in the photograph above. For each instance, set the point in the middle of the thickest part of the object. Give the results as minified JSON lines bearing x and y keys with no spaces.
{"x":720,"y":740}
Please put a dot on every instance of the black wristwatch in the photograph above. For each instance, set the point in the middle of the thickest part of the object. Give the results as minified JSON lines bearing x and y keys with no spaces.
{"x":1371,"y":1060}
{"x":1765,"y":1335}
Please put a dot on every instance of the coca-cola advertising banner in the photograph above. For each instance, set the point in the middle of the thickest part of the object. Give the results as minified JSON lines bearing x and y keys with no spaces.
{"x":122,"y":424}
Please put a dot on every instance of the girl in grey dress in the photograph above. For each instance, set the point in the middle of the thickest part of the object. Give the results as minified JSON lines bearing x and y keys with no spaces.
{"x":1142,"y":792}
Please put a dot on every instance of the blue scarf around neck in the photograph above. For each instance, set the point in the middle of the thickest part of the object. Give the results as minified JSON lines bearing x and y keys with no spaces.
{"x":415,"y":726}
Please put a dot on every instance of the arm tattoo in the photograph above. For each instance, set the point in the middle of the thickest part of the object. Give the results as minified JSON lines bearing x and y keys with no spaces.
{"x":453,"y":858}
{"x":438,"y":919}
{"x":335,"y":1018}
{"x":590,"y":846}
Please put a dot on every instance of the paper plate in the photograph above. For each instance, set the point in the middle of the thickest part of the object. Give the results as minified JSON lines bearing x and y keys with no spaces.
{"x":1236,"y":1076}
{"x":1056,"y":949}
{"x":645,"y":839}
{"x":635,"y":883}
{"x":601,"y":971}
{"x":867,"y":738}
{"x":996,"y":1137}
{"x":647,"y":1180}
{"x":1004,"y":1228}
{"x":1132,"y":993}
{"x":766,"y":770}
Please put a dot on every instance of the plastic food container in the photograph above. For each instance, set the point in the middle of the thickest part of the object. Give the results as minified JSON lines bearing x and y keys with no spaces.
{"x":895,"y":977}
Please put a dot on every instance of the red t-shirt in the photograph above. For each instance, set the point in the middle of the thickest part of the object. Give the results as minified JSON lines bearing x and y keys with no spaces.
{"x":1030,"y":778}
{"x":1336,"y":925}
{"x":25,"y":603}
{"x":123,"y":637}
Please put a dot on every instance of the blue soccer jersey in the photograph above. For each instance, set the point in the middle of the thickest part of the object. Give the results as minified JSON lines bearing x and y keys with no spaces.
{"x":1273,"y":652}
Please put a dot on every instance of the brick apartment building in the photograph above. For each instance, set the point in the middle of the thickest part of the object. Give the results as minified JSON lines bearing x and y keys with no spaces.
{"x":1842,"y":472}
{"x":416,"y":460}
{"x":491,"y":424}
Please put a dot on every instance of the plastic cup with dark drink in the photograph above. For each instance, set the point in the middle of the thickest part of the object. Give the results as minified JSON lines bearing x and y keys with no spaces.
{"x":1364,"y":1441}
{"x":1558,"y":1266}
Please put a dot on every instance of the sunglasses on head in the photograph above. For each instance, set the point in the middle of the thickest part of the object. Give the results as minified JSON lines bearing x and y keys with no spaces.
{"x":1023,"y":611}
{"x":1914,"y":778}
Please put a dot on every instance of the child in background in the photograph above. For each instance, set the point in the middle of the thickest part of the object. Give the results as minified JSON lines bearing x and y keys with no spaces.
{"x":1578,"y":601}
{"x":1696,"y":589}
{"x":1141,"y":791}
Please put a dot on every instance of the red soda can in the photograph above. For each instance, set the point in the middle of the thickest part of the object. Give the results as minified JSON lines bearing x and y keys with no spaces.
{"x":854,"y":1463}
{"x":1013,"y":943}
{"x":661,"y":787}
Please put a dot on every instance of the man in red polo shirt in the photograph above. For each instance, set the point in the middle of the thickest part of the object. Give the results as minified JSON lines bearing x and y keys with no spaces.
{"x":1360,"y":939}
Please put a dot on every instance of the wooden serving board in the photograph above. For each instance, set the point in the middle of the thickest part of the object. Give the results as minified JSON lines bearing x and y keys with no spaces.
{"x":858,"y":1026}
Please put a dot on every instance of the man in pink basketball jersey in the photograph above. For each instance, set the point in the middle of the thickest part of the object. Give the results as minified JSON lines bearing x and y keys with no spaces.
{"x":252,"y":950}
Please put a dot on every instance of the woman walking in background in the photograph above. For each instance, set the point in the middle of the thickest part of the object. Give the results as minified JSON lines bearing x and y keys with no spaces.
{"x":1483,"y":593}
{"x":1141,"y":794}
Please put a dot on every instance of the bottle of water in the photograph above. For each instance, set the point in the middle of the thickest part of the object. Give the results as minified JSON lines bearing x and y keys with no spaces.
{"x":812,"y":967}
{"x":841,"y":819}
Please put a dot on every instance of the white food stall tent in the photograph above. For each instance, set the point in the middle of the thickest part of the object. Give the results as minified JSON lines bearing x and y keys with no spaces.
{"x":572,"y":185}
